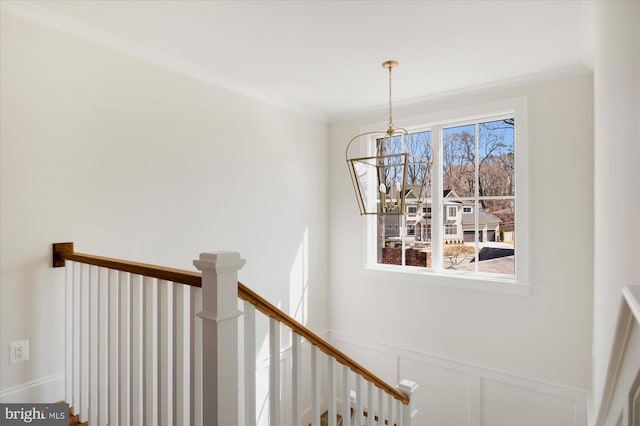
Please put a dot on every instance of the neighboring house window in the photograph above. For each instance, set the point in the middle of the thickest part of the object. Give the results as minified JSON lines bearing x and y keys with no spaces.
{"x":452,"y":212}
{"x":473,"y":163}
{"x":450,"y":229}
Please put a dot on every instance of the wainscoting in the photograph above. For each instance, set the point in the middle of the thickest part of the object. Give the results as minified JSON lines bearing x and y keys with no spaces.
{"x":453,"y":393}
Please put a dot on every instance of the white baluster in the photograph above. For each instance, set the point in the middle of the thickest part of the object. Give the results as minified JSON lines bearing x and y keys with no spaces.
{"x":407,"y":388}
{"x":137,"y":352}
{"x":249,"y":364}
{"x":76,"y":339}
{"x":150,"y":349}
{"x":390,"y":410}
{"x":296,"y":367}
{"x":84,"y":343}
{"x":220,"y":330}
{"x":165,"y":340}
{"x":124,"y":361}
{"x":399,"y":406}
{"x":358,"y":415}
{"x":93,"y":345}
{"x":370,"y":415}
{"x":346,"y":397}
{"x":69,"y":309}
{"x":380,"y":407}
{"x":114,"y":344}
{"x":103,"y":347}
{"x":196,"y":357}
{"x":331,"y":409}
{"x":274,"y":372}
{"x":77,"y":310}
{"x":181,"y":350}
{"x":315,"y":387}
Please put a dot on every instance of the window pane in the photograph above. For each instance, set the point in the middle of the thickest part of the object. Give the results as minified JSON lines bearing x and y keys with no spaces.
{"x":389,"y":173}
{"x":389,"y":240}
{"x":416,"y":233}
{"x":455,"y":255}
{"x":496,"y":156}
{"x":417,"y":242}
{"x":418,"y":145}
{"x":458,"y":160}
{"x":497,"y":250}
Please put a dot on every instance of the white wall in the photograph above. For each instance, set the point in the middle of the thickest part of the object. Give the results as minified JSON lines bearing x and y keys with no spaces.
{"x":545,"y":336}
{"x":130,"y":160}
{"x":616,"y":169}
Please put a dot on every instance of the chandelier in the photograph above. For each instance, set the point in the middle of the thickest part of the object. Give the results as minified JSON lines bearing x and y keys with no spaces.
{"x":379,"y":168}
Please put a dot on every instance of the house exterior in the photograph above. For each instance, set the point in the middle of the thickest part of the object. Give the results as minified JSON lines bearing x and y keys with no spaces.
{"x":459,"y":217}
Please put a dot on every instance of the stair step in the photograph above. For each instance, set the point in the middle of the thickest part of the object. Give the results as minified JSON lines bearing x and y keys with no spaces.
{"x":324,"y":419}
{"x":74,"y":420}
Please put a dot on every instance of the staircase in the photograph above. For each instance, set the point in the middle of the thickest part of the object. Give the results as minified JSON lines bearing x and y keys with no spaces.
{"x":150,"y":345}
{"x":324,"y":419}
{"x":74,"y":420}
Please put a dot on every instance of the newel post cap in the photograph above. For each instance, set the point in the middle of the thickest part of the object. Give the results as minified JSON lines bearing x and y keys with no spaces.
{"x":407,"y":387}
{"x":221,"y":261}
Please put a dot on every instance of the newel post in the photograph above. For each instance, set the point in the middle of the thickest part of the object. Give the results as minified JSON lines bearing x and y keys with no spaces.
{"x":220,"y":315}
{"x":407,"y":388}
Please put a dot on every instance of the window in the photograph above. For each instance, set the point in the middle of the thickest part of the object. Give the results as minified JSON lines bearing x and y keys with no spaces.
{"x":452,"y":212}
{"x":470,"y":164}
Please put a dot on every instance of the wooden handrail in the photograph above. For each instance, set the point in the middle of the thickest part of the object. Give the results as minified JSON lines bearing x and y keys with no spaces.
{"x":272,"y":311}
{"x":64,"y":251}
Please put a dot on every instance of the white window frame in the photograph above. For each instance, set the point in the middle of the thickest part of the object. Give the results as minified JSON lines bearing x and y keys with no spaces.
{"x":467,"y":207}
{"x":515,"y":285}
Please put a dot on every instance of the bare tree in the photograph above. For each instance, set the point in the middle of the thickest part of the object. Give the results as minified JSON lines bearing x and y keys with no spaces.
{"x":458,"y":162}
{"x":495,"y":160}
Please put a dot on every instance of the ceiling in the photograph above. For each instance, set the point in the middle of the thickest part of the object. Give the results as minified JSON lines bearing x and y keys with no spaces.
{"x":323,"y":58}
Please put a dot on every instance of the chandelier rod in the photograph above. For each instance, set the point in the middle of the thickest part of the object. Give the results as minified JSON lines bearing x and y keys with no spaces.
{"x":390,"y":65}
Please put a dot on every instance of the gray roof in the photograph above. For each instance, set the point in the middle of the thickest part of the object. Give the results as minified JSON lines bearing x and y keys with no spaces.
{"x":483,"y":217}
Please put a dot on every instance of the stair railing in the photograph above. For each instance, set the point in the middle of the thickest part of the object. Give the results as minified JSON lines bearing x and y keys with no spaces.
{"x":152,"y":345}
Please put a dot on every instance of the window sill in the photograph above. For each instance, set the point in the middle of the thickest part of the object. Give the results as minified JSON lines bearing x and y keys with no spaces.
{"x":469,"y":282}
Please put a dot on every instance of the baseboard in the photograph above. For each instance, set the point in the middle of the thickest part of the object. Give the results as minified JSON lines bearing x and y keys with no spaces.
{"x":44,"y":390}
{"x":473,"y":394}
